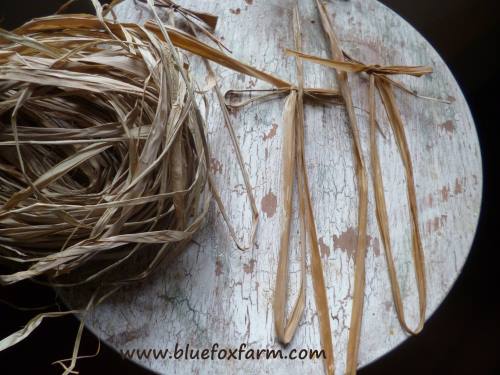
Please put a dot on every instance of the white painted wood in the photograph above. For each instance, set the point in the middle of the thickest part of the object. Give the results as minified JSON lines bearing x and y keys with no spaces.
{"x":217,"y":294}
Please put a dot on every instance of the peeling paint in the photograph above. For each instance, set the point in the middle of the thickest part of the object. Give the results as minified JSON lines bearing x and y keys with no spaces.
{"x":218,"y":268}
{"x":435,"y":224}
{"x":269,"y":203}
{"x":429,"y":201}
{"x":215,"y":166}
{"x":271,"y":133}
{"x":458,"y":187}
{"x":445,"y":191}
{"x":375,"y":245}
{"x":448,"y":127}
{"x":324,"y":249}
{"x":250,"y":266}
{"x":347,"y":241}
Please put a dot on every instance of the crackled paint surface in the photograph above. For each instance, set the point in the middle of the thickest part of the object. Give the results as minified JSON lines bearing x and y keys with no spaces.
{"x":217,"y":294}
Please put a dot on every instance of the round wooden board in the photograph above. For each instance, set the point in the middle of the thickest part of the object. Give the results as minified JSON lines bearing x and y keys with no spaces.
{"x":215,"y":293}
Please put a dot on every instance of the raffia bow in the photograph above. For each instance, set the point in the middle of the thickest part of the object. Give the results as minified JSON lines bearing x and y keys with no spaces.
{"x":378,"y":77}
{"x":354,"y":66}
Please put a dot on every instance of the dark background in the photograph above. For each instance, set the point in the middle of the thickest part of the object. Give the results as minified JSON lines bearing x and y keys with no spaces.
{"x":461,"y":337}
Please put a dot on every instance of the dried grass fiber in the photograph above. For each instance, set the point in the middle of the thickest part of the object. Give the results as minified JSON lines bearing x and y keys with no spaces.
{"x":103,"y":156}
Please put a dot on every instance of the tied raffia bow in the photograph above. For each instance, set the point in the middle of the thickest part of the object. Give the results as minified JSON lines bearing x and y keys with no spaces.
{"x":354,"y":66}
{"x":378,"y":78}
{"x":380,"y":72}
{"x":293,"y":165}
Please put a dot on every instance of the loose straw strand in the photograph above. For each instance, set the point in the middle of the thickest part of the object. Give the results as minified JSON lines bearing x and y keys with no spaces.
{"x":359,"y":272}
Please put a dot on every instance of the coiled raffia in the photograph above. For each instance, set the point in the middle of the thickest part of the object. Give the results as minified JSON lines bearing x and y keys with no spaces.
{"x":102,"y":150}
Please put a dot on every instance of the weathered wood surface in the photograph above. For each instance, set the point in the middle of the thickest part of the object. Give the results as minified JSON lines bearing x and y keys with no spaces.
{"x":217,"y":294}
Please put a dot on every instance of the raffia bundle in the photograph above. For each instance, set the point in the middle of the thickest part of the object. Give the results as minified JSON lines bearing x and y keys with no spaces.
{"x":103,"y":151}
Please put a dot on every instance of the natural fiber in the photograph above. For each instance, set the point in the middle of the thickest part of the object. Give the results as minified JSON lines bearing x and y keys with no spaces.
{"x":294,"y":148}
{"x":103,"y":152}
